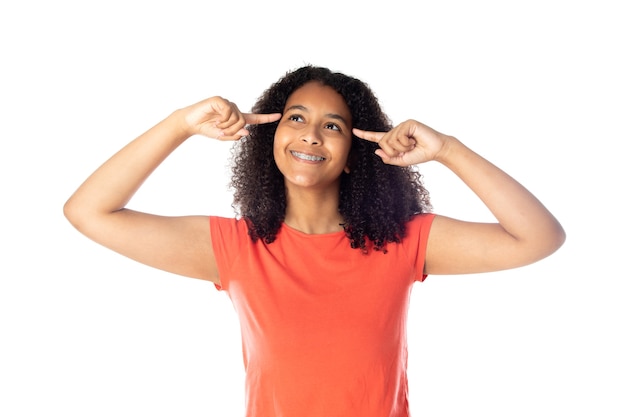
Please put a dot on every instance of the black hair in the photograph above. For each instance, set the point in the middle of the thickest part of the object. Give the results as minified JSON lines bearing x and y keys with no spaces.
{"x":376,"y":200}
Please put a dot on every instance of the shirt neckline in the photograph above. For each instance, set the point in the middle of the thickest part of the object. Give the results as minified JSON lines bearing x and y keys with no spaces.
{"x":309,"y":235}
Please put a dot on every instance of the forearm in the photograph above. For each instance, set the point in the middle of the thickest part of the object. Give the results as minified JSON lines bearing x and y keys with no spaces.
{"x":516,"y":209}
{"x":113,"y":184}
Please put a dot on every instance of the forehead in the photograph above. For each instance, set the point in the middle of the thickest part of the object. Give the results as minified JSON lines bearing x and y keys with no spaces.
{"x":315,"y":96}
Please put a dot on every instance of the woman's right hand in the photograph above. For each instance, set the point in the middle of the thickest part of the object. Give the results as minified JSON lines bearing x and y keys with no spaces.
{"x":178,"y":244}
{"x":219,"y":118}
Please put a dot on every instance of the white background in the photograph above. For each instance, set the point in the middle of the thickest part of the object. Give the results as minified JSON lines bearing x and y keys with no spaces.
{"x":535,"y":86}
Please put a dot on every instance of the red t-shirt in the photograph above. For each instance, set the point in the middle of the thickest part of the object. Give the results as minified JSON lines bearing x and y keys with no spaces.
{"x":323,"y":325}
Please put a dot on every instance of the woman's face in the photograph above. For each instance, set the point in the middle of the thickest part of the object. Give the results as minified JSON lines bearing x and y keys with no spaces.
{"x":313,"y":137}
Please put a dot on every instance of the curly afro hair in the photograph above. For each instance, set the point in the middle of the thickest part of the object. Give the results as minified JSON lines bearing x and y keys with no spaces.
{"x":376,"y":200}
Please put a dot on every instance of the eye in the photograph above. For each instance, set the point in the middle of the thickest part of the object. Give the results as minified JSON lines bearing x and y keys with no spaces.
{"x":295,"y":118}
{"x":333,"y":126}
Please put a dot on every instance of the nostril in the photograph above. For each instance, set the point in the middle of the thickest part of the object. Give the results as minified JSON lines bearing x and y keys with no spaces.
{"x":311,"y":137}
{"x":311,"y":141}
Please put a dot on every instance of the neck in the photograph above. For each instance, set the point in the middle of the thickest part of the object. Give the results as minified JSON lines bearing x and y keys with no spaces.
{"x":313,"y":212}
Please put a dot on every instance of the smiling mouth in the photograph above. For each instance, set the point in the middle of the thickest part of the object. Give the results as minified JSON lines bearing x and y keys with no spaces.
{"x":306,"y":157}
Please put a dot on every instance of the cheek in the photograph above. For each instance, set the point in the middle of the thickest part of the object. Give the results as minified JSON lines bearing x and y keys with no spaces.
{"x":281,"y":140}
{"x":275,"y":145}
{"x":278,"y":151}
{"x":344,"y":150}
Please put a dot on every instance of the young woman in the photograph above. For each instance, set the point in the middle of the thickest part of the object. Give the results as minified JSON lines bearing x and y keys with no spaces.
{"x":333,"y":228}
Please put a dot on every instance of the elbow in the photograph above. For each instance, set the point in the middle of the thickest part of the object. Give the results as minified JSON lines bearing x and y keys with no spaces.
{"x":544,"y":243}
{"x":73,"y":213}
{"x":559,"y":237}
{"x":69,"y":211}
{"x":552,"y":241}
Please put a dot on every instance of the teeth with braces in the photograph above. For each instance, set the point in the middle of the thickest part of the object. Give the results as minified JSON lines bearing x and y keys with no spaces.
{"x":307,"y":157}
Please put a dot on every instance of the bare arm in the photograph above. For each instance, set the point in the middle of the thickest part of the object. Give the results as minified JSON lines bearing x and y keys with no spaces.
{"x":525,"y":231}
{"x":181,"y":245}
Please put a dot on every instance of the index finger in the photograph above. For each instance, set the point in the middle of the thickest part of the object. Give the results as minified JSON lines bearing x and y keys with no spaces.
{"x":368,"y":135}
{"x":257,"y":118}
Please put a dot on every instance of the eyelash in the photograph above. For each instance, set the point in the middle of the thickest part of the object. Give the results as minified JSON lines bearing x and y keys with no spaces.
{"x":333,"y":126}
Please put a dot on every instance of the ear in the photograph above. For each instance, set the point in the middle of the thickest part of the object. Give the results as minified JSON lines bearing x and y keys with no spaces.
{"x":346,"y":169}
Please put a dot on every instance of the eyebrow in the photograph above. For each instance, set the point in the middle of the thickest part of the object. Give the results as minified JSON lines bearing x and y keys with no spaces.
{"x":331,"y":115}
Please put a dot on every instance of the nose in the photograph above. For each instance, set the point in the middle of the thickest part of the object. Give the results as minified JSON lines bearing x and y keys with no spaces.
{"x":311,"y":136}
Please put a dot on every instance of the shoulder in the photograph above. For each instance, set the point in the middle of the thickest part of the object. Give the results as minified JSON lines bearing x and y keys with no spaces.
{"x":419,"y":225}
{"x":221,"y":222}
{"x":227,"y":228}
{"x":415,"y":242}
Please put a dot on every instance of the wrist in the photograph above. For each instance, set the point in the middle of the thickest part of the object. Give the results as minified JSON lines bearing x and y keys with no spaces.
{"x":180,"y":124}
{"x":449,"y":148}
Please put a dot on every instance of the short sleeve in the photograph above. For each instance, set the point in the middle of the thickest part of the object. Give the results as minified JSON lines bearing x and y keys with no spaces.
{"x":416,"y":241}
{"x":227,"y":237}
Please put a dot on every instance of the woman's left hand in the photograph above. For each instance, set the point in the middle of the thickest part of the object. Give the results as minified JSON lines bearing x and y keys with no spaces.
{"x":409,"y":143}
